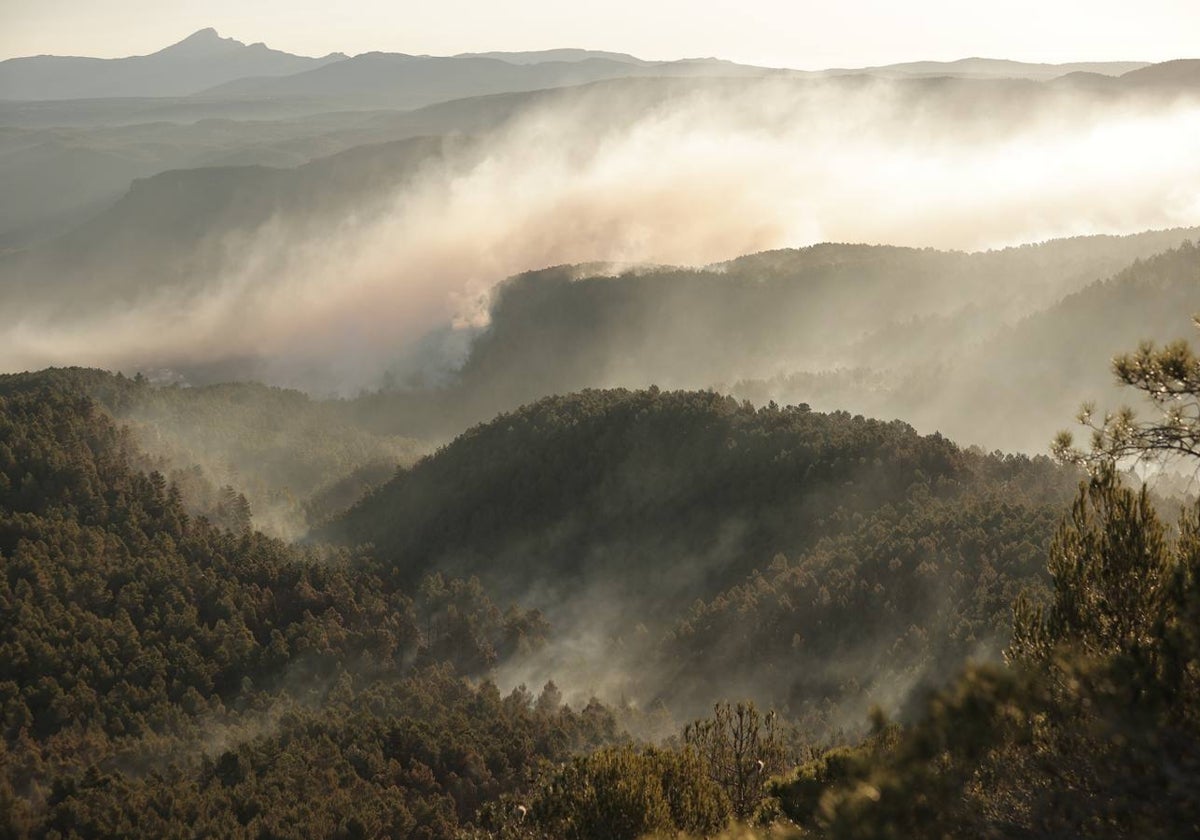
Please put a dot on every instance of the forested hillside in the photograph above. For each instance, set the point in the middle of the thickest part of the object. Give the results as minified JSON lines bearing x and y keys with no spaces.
{"x":909,"y":334}
{"x":1009,"y":385}
{"x":138,"y":639}
{"x":663,"y":550}
{"x":135,"y":627}
{"x":297,"y":460}
{"x":1089,"y":730}
{"x":868,"y":552}
{"x":1052,"y":361}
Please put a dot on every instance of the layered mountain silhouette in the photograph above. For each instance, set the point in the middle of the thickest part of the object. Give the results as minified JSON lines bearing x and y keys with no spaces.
{"x":200,"y":61}
{"x":207,"y":64}
{"x":995,"y":68}
{"x":399,"y":80}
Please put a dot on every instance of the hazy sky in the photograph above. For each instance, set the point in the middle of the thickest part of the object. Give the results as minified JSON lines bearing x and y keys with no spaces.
{"x":795,"y":33}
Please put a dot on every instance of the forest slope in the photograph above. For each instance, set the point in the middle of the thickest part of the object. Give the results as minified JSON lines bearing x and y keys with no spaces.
{"x":1047,"y":365}
{"x":886,"y":331}
{"x":140,"y":642}
{"x":613,"y":511}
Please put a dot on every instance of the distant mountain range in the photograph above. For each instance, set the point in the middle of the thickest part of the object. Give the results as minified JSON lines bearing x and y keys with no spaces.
{"x":198,"y":62}
{"x":994,"y":68}
{"x":164,"y":222}
{"x":209,"y":66}
{"x":411,"y":81}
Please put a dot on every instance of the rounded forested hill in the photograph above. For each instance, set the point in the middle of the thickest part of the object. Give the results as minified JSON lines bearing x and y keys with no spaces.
{"x":661,"y":495}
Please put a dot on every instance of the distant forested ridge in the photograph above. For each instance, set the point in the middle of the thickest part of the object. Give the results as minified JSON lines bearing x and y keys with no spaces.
{"x":172,"y":232}
{"x":1051,"y":361}
{"x":883,"y":331}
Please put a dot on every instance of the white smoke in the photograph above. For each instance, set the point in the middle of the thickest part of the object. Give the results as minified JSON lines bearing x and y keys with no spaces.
{"x":705,"y":176}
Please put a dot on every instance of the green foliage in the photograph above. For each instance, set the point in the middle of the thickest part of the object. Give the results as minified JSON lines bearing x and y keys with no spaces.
{"x":624,"y":793}
{"x":739,"y":749}
{"x":924,"y":583}
{"x":296,"y":461}
{"x":799,"y":792}
{"x":163,"y":669}
{"x":1169,"y":379}
{"x":1093,"y":731}
{"x":593,"y":477}
{"x":1111,"y":570}
{"x":136,"y":640}
{"x":414,"y":757}
{"x":671,"y":505}
{"x":457,"y":615}
{"x":717,"y":773}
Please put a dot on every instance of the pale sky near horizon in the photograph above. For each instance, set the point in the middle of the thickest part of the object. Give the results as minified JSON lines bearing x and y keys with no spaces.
{"x":795,"y":33}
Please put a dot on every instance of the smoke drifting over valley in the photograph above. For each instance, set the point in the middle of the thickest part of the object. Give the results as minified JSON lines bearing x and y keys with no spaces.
{"x":397,"y":445}
{"x":630,"y":172}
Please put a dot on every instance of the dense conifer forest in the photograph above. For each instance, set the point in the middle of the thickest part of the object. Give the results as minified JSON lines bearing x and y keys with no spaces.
{"x":165,"y":664}
{"x":565,"y":445}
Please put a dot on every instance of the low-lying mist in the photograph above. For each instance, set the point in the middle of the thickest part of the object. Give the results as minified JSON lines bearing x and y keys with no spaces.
{"x":702,"y":175}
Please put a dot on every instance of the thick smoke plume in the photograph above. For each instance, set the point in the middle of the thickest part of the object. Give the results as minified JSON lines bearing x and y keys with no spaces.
{"x":708,"y":173}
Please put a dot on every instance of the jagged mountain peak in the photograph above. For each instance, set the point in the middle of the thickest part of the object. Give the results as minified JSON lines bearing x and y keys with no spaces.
{"x":202,"y":42}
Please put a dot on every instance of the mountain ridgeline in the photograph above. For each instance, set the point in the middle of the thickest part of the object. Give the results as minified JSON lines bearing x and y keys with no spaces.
{"x":200,"y":61}
{"x":207,"y":64}
{"x":920,"y":334}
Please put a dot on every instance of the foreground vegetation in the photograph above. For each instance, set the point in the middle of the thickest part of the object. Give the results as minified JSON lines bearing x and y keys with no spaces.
{"x":164,"y":674}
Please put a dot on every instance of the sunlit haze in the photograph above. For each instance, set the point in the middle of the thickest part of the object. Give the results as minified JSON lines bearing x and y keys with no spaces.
{"x":784,"y":33}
